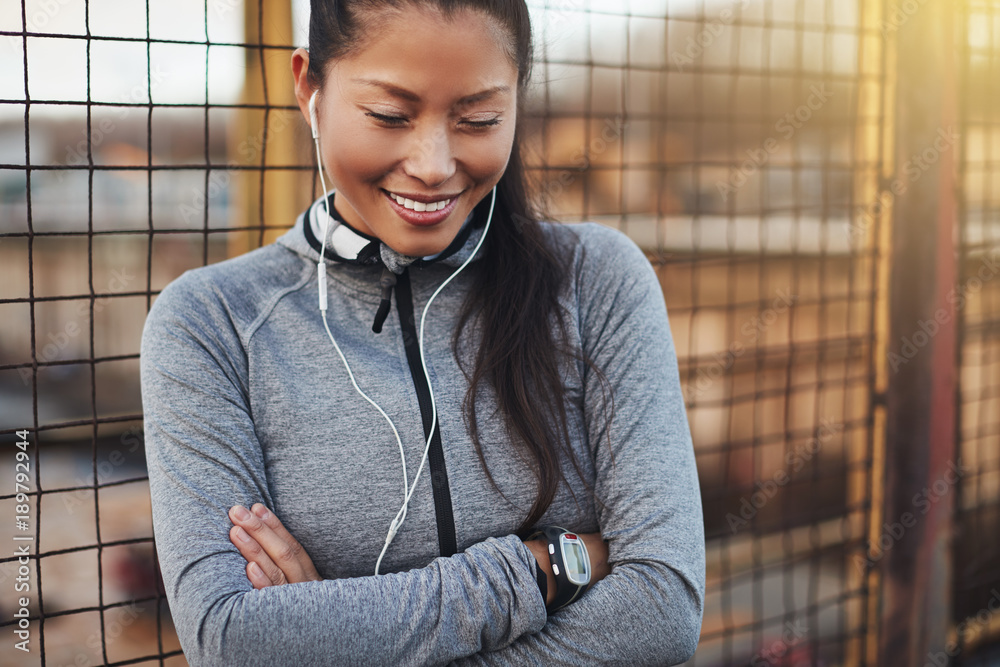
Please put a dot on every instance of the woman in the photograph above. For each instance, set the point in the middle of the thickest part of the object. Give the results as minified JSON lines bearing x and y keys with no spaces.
{"x":514,"y":374}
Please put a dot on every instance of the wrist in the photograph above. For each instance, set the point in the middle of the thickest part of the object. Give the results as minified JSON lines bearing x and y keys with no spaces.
{"x":539,"y":548}
{"x":569,"y":563}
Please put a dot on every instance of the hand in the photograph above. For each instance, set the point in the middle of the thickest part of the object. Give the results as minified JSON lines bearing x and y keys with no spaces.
{"x":273,"y":556}
{"x":597,"y":550}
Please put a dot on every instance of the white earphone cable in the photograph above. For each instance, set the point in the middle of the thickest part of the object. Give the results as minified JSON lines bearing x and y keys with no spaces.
{"x":427,"y":377}
{"x":321,"y":269}
{"x":420,"y":340}
{"x":408,"y":490}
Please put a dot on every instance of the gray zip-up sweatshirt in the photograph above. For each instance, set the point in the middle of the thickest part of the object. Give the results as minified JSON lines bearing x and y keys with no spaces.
{"x":246,"y":401}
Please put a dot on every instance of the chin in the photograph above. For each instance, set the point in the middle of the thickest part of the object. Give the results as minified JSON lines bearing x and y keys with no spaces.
{"x":422,"y":242}
{"x":419,"y":247}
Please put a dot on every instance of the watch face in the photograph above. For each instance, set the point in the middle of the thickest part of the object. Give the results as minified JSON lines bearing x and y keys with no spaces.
{"x":576,"y":562}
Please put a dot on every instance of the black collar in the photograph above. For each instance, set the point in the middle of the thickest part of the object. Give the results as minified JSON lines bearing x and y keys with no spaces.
{"x":367,"y":249}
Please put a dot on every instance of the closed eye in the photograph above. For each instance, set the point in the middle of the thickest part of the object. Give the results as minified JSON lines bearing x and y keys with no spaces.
{"x":393,"y":121}
{"x":399,"y":121}
{"x":481,"y":124}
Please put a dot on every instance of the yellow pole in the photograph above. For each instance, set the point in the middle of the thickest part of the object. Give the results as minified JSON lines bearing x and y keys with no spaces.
{"x":266,"y":138}
{"x":871,"y":235}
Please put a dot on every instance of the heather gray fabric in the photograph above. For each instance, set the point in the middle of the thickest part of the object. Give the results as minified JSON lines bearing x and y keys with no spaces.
{"x":246,"y":401}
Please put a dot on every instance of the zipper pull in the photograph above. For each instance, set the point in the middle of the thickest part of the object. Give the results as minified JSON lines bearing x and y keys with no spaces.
{"x":387,"y":282}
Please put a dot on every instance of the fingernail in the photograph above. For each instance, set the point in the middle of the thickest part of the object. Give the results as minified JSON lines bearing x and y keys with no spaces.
{"x":255,"y":570}
{"x":260,"y":511}
{"x":240,"y":513}
{"x":242,"y":534}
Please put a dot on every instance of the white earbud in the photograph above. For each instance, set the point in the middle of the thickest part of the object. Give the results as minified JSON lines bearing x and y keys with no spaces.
{"x":313,"y":125}
{"x":321,"y":266}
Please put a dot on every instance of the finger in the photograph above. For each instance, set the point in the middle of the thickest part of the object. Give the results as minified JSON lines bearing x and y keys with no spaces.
{"x":286,"y":556}
{"x":301,"y":559}
{"x":257,"y":576}
{"x":251,"y":550}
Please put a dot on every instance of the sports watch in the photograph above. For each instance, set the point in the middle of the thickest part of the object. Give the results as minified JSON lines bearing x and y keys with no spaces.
{"x":570,"y":564}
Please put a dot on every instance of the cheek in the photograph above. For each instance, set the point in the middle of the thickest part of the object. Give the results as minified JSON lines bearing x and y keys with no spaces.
{"x":486,"y":159}
{"x":358,"y":155}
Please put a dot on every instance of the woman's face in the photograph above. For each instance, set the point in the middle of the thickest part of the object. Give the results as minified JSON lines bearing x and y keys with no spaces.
{"x":417,"y":125}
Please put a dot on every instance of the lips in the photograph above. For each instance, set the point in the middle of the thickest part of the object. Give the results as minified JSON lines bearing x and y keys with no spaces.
{"x":419,"y":205}
{"x":422,"y":210}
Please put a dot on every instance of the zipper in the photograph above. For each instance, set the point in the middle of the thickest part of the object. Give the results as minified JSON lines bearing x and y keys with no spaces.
{"x":435,"y":456}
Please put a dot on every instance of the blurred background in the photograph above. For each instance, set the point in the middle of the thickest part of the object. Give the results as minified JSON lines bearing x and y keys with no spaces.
{"x":816,"y":182}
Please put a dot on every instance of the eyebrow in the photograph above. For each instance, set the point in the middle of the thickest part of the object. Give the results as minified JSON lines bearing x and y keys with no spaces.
{"x":405,"y":94}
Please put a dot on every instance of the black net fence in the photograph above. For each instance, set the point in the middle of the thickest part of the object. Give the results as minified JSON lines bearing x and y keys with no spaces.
{"x":735,"y":168}
{"x":742,"y":144}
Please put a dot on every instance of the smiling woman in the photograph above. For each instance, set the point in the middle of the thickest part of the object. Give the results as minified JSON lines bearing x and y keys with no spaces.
{"x":560,"y":520}
{"x":405,"y":128}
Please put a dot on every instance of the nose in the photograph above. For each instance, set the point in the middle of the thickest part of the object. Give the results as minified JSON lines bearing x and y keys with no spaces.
{"x":430,"y":158}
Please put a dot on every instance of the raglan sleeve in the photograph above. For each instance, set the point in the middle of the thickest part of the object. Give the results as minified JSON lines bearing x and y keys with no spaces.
{"x":203,"y":457}
{"x":648,"y":610}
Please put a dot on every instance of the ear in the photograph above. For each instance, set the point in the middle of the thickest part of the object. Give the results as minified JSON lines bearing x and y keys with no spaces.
{"x":303,"y":89}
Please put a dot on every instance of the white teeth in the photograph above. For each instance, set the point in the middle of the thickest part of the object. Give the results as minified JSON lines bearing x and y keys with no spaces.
{"x":420,"y":206}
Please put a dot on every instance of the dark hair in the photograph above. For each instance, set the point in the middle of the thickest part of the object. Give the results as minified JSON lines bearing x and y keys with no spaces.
{"x":337,"y":27}
{"x":515,"y":299}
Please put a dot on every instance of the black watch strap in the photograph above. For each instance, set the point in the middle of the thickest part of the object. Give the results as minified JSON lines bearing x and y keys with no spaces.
{"x":567,"y":591}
